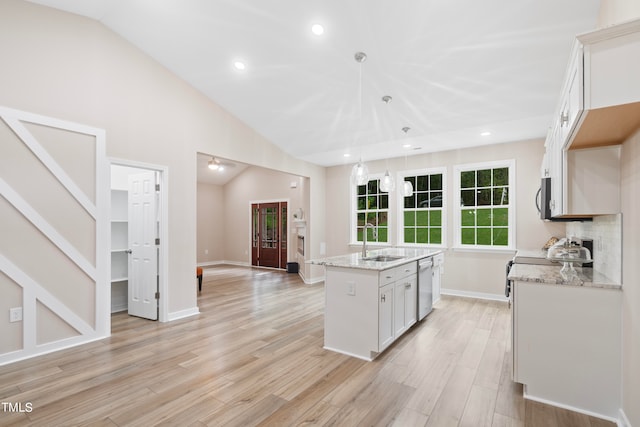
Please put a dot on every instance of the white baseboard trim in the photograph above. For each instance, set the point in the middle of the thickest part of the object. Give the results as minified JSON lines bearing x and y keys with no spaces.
{"x":313,"y":280}
{"x":477,"y":295}
{"x":183,"y":313}
{"x":117,"y":308}
{"x":43,"y":349}
{"x":357,"y":356}
{"x":623,"y":421}
{"x":568,"y":407}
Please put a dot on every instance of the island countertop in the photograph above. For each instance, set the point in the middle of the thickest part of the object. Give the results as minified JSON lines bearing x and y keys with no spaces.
{"x":355,"y":260}
{"x":550,"y":275}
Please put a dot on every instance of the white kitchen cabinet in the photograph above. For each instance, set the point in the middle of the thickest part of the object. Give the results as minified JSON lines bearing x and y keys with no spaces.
{"x":405,"y":294}
{"x":386,"y":333}
{"x":571,"y":102}
{"x":599,"y":106}
{"x":367,"y":310}
{"x":556,"y":171}
{"x":566,"y":345}
{"x":600,"y":100}
{"x":436,"y":272}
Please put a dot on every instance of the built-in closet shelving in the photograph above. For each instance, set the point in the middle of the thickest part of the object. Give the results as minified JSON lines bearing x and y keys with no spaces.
{"x":119,"y":255}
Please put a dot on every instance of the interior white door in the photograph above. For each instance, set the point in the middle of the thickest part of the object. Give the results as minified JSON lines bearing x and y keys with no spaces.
{"x":143,"y":251}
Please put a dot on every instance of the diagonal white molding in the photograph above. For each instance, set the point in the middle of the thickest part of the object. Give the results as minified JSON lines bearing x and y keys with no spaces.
{"x":29,"y":140}
{"x":45,"y":228}
{"x":34,"y":291}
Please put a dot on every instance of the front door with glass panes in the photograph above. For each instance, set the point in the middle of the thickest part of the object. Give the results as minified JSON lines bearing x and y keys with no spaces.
{"x":269,"y":234}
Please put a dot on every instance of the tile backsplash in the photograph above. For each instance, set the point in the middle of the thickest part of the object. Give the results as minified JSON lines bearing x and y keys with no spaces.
{"x":606,"y":232}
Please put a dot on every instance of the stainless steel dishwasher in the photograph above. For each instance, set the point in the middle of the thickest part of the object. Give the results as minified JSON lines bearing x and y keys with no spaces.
{"x":425,"y":287}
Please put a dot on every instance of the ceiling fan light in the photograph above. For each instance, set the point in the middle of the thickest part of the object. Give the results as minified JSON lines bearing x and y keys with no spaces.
{"x":213,"y":165}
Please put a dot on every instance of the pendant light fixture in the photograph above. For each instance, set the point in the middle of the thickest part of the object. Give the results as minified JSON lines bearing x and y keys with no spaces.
{"x":387,"y":182}
{"x":407,"y":187}
{"x":360,"y":171}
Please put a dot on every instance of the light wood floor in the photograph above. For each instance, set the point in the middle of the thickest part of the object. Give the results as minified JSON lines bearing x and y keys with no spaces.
{"x":254,"y":356}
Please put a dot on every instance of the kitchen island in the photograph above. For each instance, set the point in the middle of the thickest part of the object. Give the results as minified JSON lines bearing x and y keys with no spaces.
{"x":566,"y":338}
{"x":371,"y":301}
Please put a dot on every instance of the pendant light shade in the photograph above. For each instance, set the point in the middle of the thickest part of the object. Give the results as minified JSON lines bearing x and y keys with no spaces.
{"x":407,"y":189}
{"x":360,"y":174}
{"x":387,"y":183}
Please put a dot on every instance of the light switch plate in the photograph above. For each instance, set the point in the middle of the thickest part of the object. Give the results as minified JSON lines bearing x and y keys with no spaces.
{"x":15,"y":314}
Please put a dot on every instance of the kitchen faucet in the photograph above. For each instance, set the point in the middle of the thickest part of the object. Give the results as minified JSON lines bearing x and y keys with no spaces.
{"x":364,"y":238}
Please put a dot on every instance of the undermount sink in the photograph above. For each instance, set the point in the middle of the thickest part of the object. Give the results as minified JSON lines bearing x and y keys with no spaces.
{"x":382,"y":258}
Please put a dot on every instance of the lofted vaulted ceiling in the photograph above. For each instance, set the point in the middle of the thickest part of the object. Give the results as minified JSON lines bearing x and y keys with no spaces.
{"x":455,"y":69}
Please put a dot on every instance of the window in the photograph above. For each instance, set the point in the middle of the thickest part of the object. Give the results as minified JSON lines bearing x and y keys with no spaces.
{"x":422,"y":214}
{"x":372,"y":207}
{"x":485,"y":216}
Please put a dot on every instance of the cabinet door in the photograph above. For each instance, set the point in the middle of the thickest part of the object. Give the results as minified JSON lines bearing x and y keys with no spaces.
{"x":410,"y":300}
{"x":556,"y":171}
{"x":436,"y":281}
{"x":385,"y":316}
{"x":571,"y":104}
{"x":399,"y":305}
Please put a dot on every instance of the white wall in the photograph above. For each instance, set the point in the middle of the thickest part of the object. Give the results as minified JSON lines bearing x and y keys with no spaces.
{"x":66,"y":66}
{"x":211,"y":224}
{"x":612,"y":12}
{"x":631,"y":279}
{"x":465,"y":272}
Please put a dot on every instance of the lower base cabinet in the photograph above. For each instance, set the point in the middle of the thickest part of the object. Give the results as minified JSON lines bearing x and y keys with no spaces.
{"x":566,"y":345}
{"x":367,"y":310}
{"x":386,"y":305}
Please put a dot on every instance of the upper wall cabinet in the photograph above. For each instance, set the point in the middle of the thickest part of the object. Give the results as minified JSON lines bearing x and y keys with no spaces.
{"x":600,"y":102}
{"x":599,"y":107}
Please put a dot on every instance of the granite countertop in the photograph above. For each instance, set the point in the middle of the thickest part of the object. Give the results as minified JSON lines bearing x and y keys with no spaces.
{"x":355,"y":260}
{"x":550,"y":274}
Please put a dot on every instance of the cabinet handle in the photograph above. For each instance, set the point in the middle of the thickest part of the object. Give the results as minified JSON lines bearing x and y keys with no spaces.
{"x":383,"y":298}
{"x":564,"y":118}
{"x":407,"y":285}
{"x":389,"y":277}
{"x":408,"y":270}
{"x":129,"y":251}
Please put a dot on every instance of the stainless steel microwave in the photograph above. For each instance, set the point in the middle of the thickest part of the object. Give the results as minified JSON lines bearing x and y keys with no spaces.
{"x":543,"y":199}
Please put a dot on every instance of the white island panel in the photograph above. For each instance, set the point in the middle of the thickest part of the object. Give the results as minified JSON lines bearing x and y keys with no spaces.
{"x":351,"y":312}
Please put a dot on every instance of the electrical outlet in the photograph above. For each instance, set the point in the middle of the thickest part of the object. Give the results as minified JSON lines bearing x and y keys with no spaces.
{"x":15,"y":314}
{"x":351,"y":288}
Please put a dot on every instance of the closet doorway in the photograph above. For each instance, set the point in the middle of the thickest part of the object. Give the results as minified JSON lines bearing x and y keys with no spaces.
{"x":269,"y":234}
{"x":138,"y":240}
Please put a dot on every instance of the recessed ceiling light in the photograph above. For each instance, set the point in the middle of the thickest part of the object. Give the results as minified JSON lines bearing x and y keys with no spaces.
{"x":406,"y":146}
{"x":317,"y":29}
{"x":485,"y":133}
{"x":239,"y":65}
{"x":346,"y":155}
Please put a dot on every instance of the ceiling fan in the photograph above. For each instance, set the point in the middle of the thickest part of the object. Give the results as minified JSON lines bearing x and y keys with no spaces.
{"x":219,"y":165}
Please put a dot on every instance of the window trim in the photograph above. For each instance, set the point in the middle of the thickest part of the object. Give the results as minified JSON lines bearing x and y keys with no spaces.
{"x":353,"y":221}
{"x":457,"y":208}
{"x":400,"y":206}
